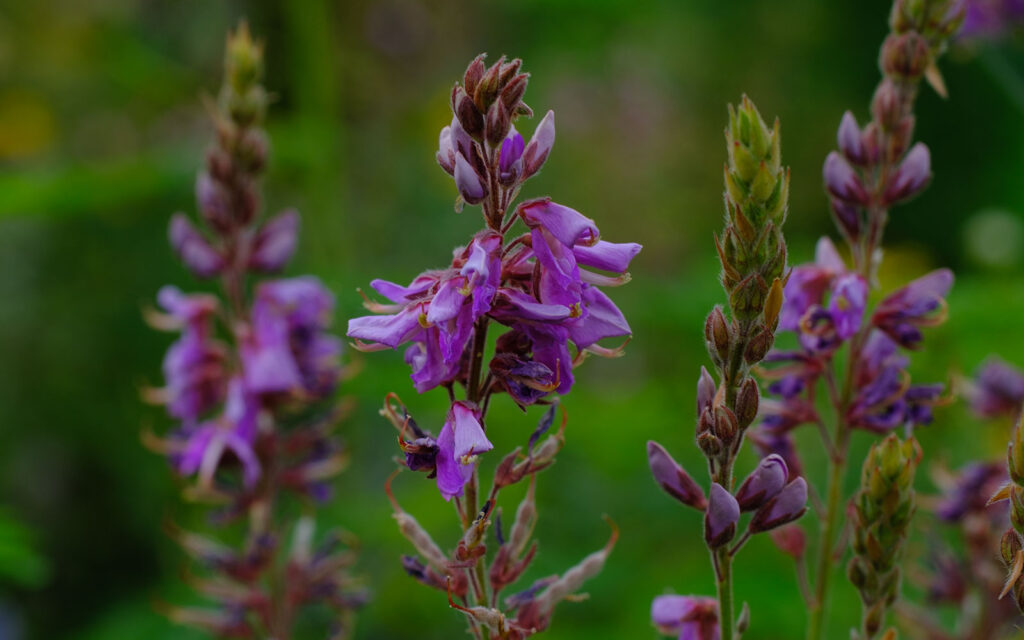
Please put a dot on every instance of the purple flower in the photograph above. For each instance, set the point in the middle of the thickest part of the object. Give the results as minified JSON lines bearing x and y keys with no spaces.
{"x":842,"y":181}
{"x":998,"y":389}
{"x":469,"y":183}
{"x":720,"y":517}
{"x":849,"y":298}
{"x":201,"y":449}
{"x":673,"y":478}
{"x":919,"y":304}
{"x":851,"y":143}
{"x":687,"y":617}
{"x":461,"y":439}
{"x":194,"y":250}
{"x":195,"y":365}
{"x":275,"y":242}
{"x":970,"y":490}
{"x":990,"y":19}
{"x":287,"y":349}
{"x":787,"y":506}
{"x":911,"y":177}
{"x":510,"y":164}
{"x":808,"y":283}
{"x":764,"y":483}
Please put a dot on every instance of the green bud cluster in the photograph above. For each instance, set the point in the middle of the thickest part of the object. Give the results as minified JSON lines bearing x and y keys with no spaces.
{"x":1013,"y":539}
{"x":882,"y":510}
{"x":242,"y":96}
{"x":751,"y":248}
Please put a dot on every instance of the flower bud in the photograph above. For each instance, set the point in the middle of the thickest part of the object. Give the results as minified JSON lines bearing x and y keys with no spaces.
{"x":758,"y":346}
{"x":842,"y":181}
{"x":847,"y":218}
{"x":468,"y":181}
{"x":790,"y":539}
{"x":474,"y":72}
{"x":1015,"y":454}
{"x":709,"y":444}
{"x":747,"y":401}
{"x":1017,"y":507}
{"x":497,"y":124}
{"x":513,"y":92}
{"x":469,"y":116}
{"x":214,"y":202}
{"x":726,"y":425}
{"x":764,"y":483}
{"x":673,"y":478}
{"x":911,"y":176}
{"x":1009,"y":547}
{"x":446,"y":151}
{"x":717,"y":334}
{"x":721,"y":517}
{"x":851,"y":143}
{"x":905,"y":55}
{"x":886,"y":106}
{"x":787,"y":506}
{"x":192,"y":248}
{"x":706,"y":389}
{"x":536,"y":152}
{"x":275,"y":242}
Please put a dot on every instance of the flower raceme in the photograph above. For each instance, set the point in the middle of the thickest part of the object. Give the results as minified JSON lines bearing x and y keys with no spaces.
{"x":545,"y":285}
{"x":247,"y":364}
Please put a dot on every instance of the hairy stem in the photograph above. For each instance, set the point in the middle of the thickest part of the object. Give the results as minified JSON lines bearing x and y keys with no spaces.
{"x":723,"y":561}
{"x":826,"y":542}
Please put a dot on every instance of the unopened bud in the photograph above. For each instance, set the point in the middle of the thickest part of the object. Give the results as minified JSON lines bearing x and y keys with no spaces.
{"x":474,"y":72}
{"x":911,"y":176}
{"x":673,"y":478}
{"x":1009,"y":547}
{"x":886,"y":106}
{"x":747,"y":401}
{"x":717,"y":335}
{"x":537,"y":150}
{"x":787,"y":506}
{"x":706,"y":389}
{"x":193,"y":248}
{"x":275,"y":242}
{"x":468,"y":181}
{"x":709,"y":444}
{"x":497,"y":124}
{"x":758,"y":347}
{"x":469,"y":116}
{"x":721,"y":516}
{"x":850,"y":140}
{"x":905,"y":55}
{"x":842,"y":181}
{"x":764,"y":483}
{"x":726,"y":425}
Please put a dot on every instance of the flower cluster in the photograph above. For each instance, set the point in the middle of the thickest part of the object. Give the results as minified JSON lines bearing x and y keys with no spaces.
{"x":882,"y":511}
{"x":850,"y":353}
{"x":244,"y":379}
{"x":752,"y":252}
{"x":545,"y":285}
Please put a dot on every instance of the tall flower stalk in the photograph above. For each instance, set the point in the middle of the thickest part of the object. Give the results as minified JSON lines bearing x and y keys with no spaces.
{"x":251,"y":379}
{"x":752,"y":252}
{"x":826,"y":303}
{"x":544,"y":286}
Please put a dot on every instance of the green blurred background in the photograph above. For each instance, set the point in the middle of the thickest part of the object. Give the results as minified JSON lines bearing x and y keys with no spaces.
{"x":102,"y":132}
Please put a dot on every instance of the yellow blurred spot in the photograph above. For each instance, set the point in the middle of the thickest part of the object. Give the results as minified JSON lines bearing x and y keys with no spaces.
{"x":27,"y":126}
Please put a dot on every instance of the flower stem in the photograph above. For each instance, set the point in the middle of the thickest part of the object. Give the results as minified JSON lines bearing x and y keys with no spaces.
{"x":723,"y":562}
{"x":828,"y":535}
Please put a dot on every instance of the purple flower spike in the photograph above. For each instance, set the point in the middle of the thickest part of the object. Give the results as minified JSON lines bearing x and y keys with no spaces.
{"x":790,"y":504}
{"x":467,"y":181}
{"x":721,"y":516}
{"x":192,"y":248}
{"x":850,"y":142}
{"x":911,"y":177}
{"x":706,"y":389}
{"x":275,"y":242}
{"x":764,"y":483}
{"x":842,"y":181}
{"x":537,"y":150}
{"x":673,"y":478}
{"x":461,"y":439}
{"x":687,"y":617}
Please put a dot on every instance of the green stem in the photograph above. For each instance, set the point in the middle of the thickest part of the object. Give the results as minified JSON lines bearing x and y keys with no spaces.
{"x":827,"y":540}
{"x":723,"y":564}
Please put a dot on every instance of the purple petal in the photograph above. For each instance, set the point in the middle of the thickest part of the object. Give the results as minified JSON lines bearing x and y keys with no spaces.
{"x":567,"y":225}
{"x":608,"y":256}
{"x":275,"y":242}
